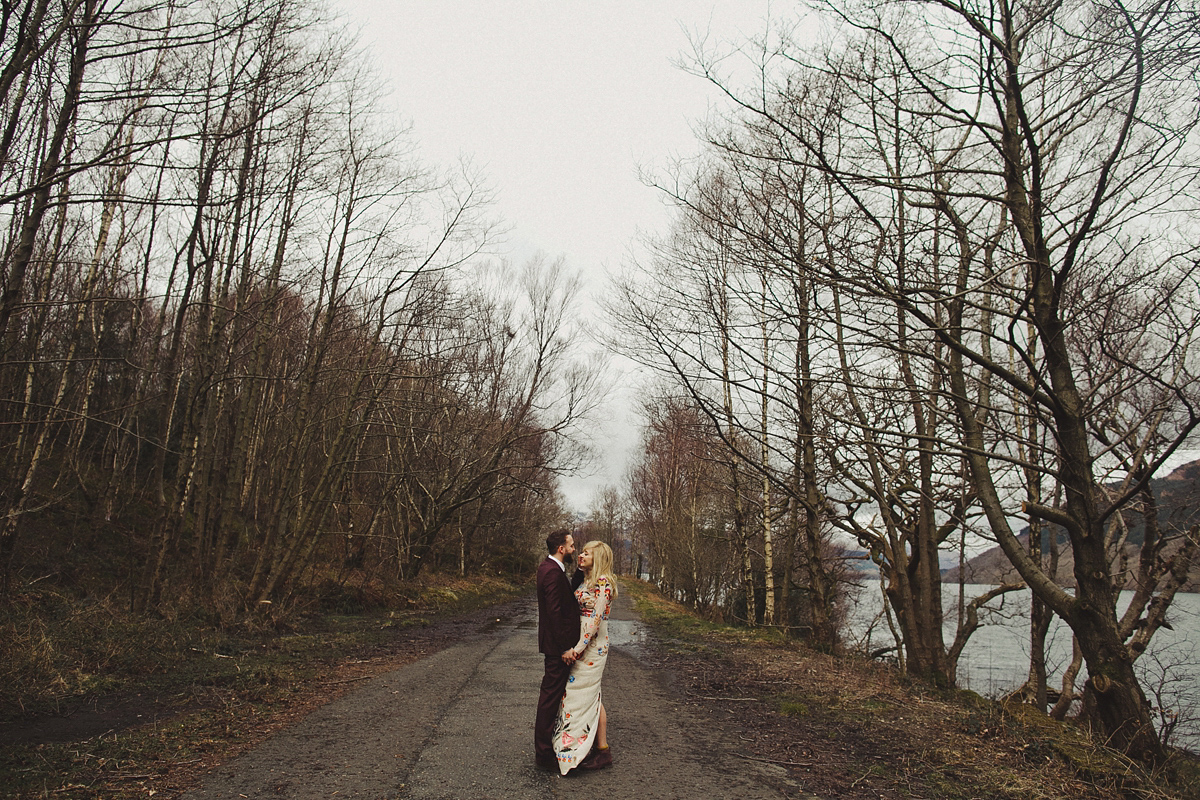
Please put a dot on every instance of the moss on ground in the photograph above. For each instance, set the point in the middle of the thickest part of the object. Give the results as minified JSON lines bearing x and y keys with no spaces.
{"x":842,"y":726}
{"x":213,"y":690}
{"x":848,"y":728}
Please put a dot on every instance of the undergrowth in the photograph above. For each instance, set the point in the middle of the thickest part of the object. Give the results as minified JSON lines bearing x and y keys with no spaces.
{"x":208,"y":683}
{"x":681,"y":627}
{"x":868,"y":731}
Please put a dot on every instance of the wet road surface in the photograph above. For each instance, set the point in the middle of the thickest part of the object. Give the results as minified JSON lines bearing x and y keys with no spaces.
{"x":458,"y":725}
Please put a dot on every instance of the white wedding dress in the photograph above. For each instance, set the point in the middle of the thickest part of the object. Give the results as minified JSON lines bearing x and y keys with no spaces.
{"x":579,"y":713}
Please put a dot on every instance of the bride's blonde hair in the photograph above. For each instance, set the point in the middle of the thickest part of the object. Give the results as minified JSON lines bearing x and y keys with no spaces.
{"x":602,"y":565}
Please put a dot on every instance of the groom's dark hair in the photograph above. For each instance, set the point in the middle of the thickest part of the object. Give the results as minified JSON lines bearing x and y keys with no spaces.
{"x":556,"y":540}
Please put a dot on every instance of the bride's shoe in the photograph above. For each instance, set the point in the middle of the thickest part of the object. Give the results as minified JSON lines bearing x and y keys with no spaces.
{"x":599,"y":758}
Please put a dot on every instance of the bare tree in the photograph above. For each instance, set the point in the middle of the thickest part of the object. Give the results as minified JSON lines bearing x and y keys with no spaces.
{"x":961,"y":146}
{"x":242,"y":322}
{"x":609,"y":520}
{"x":680,"y":507}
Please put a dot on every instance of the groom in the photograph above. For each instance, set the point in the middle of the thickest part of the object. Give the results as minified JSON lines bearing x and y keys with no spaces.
{"x":558,"y":631}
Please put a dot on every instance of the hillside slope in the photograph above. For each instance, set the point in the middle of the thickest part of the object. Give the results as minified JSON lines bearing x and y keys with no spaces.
{"x":1179,"y":508}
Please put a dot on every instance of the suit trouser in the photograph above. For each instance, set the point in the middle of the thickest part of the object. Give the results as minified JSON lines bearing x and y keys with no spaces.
{"x":554,"y":683}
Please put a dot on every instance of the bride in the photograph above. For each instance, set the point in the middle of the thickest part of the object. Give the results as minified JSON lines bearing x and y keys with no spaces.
{"x":582,"y":723}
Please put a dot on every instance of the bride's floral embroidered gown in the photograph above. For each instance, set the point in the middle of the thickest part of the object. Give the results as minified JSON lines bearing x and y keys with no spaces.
{"x":579,"y":713}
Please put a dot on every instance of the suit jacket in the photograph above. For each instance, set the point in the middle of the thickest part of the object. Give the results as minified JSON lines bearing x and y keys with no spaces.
{"x":558,"y":610}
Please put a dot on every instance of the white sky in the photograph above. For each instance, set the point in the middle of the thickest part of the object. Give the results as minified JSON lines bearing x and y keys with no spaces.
{"x":558,"y":103}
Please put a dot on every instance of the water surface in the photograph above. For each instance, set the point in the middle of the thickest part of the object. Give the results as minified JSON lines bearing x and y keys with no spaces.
{"x":996,"y":659}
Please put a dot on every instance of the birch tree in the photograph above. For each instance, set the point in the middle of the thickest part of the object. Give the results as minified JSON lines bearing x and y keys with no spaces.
{"x":1043,"y":152}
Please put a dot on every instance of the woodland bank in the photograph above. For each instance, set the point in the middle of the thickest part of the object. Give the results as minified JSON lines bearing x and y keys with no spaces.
{"x":98,"y":703}
{"x":168,"y":710}
{"x":847,"y":728}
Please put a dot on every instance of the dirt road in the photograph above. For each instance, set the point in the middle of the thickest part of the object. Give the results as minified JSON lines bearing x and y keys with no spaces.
{"x":458,"y":725}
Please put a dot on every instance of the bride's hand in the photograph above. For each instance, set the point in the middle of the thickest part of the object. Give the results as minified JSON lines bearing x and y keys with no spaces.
{"x":589,"y":602}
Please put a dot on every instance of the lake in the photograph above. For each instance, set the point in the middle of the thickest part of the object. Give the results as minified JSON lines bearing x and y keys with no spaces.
{"x":996,"y":659}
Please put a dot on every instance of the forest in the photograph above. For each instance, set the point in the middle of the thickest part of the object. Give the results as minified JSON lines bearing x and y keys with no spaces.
{"x":932,"y":281}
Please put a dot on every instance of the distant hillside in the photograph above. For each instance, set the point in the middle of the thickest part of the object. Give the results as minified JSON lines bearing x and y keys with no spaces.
{"x":1178,"y":508}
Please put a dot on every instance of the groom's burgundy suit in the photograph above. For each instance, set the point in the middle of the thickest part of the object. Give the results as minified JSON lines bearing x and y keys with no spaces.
{"x":558,"y":632}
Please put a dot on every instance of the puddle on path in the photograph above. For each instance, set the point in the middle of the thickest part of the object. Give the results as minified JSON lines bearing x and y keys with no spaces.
{"x":628,"y":633}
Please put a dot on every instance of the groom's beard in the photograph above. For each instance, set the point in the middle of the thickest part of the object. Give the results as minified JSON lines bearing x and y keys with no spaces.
{"x":567,"y":559}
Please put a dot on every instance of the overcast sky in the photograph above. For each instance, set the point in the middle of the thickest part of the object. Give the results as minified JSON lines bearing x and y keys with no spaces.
{"x":559,"y":103}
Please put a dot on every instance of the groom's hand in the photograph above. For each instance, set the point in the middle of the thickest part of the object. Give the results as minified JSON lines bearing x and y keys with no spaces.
{"x":569,"y":657}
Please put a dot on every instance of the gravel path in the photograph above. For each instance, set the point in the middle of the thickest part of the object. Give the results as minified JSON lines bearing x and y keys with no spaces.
{"x":458,"y":725}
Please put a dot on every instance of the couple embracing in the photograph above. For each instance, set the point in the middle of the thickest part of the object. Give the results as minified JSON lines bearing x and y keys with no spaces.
{"x":571,"y":728}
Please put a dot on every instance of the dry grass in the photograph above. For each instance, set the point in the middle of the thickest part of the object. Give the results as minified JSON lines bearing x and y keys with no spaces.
{"x":843,"y":727}
{"x":165,"y":699}
{"x":848,"y":728}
